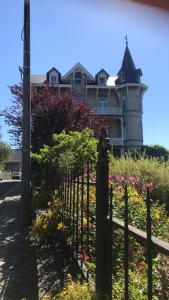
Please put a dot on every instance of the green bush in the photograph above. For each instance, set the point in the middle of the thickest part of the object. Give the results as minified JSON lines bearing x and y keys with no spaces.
{"x":40,"y":199}
{"x":73,"y":148}
{"x":47,"y":224}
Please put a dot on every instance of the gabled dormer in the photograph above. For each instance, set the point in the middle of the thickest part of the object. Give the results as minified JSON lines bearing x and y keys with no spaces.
{"x":53,"y":76}
{"x":101,"y":77}
{"x":77,"y":75}
{"x":128,"y":72}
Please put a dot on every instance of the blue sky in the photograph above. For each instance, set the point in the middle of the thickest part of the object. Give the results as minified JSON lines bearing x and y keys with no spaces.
{"x":64,"y":32}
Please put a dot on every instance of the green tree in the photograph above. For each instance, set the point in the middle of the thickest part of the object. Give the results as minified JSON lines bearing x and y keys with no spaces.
{"x":158,"y":151}
{"x":73,"y":148}
{"x":5,"y":153}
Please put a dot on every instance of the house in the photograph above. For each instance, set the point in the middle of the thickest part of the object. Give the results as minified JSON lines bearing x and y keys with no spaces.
{"x":15,"y":162}
{"x":118,"y":98}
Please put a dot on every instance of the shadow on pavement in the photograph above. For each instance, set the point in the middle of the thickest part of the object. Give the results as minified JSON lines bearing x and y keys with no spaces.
{"x":25,"y":274}
{"x":18,"y":267}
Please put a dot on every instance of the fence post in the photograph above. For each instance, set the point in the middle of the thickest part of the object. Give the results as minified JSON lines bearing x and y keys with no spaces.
{"x":103,"y":242}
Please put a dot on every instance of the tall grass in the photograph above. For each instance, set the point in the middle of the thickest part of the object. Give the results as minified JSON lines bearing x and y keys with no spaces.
{"x":149,"y":170}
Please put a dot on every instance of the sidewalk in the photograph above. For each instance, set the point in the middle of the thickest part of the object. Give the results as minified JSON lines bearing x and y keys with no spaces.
{"x":25,"y":274}
{"x":18,"y":270}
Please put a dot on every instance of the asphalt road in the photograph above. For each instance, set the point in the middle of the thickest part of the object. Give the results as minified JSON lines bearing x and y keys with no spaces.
{"x":9,"y":188}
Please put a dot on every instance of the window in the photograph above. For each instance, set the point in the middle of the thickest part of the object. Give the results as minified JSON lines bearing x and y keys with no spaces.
{"x":122,"y":76}
{"x":107,"y":131}
{"x":54,"y":79}
{"x":78,"y":78}
{"x":101,"y":80}
{"x":102,"y":104}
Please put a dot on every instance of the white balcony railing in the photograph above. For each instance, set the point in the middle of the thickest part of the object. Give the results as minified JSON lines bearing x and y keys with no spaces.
{"x":108,"y":110}
{"x":116,"y":141}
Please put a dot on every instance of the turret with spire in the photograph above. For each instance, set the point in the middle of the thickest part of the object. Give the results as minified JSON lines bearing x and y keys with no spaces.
{"x":128,"y":72}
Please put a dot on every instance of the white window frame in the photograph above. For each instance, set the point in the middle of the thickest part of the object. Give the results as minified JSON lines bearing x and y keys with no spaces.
{"x":79,"y":81}
{"x":101,"y":77}
{"x":52,"y":76}
{"x":122,"y":77}
{"x":102,"y":103}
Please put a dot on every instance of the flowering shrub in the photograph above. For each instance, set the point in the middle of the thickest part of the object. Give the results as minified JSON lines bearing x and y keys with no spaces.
{"x":81,"y":235}
{"x":150,"y":170}
{"x":47,"y":224}
{"x":76,"y":291}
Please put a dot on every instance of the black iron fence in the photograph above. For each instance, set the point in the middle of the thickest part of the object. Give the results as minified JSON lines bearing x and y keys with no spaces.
{"x":90,"y":224}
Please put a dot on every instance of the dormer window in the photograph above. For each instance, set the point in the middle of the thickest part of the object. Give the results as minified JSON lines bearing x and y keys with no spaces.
{"x":54,"y":79}
{"x":101,"y":80}
{"x":122,"y":77}
{"x":78,"y":78}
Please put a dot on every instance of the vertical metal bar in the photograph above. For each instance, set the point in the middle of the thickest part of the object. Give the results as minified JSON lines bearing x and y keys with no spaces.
{"x":61,"y":197}
{"x":67,"y":214}
{"x":77,"y":217}
{"x":70,"y":196}
{"x":88,"y":205}
{"x":63,"y":204}
{"x":60,"y":189}
{"x":82,"y":211}
{"x":110,"y":236}
{"x":103,"y":283}
{"x":149,"y":246}
{"x":73,"y":210}
{"x":126,"y":244}
{"x":65,"y":199}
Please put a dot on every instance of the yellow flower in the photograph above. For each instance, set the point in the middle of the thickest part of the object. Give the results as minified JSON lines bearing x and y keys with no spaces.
{"x":137,"y":199}
{"x":59,"y":226}
{"x":84,"y":221}
{"x":157,"y":214}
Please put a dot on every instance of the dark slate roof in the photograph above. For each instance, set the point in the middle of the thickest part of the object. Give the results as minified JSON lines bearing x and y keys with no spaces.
{"x":52,"y":70}
{"x":102,"y":70}
{"x":128,"y":69}
{"x":128,"y":65}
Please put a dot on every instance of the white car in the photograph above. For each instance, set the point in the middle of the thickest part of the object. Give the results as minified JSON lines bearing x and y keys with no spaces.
{"x":16,"y":175}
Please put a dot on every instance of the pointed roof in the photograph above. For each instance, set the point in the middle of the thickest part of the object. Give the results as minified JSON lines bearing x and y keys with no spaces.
{"x":53,"y":69}
{"x":128,"y":72}
{"x":102,"y":70}
{"x":82,"y":68}
{"x":128,"y":65}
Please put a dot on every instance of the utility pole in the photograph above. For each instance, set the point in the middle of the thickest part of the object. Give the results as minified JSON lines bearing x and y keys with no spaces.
{"x":26,"y":133}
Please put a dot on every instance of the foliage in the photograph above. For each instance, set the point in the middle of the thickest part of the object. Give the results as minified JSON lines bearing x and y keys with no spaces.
{"x":162,"y":276}
{"x":13,"y":114}
{"x":5,"y":152}
{"x":155,"y":151}
{"x":137,"y":209}
{"x":74,"y":290}
{"x":138,"y":176}
{"x":40,"y":199}
{"x":148,"y":170}
{"x":47,"y":224}
{"x":50,"y":114}
{"x":75,"y":148}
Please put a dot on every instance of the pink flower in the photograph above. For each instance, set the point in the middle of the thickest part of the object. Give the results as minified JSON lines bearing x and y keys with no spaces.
{"x":134,"y":180}
{"x":93,"y":176}
{"x":91,"y":227}
{"x":148,"y":186}
{"x":82,"y":255}
{"x":80,"y":178}
{"x":116,"y":179}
